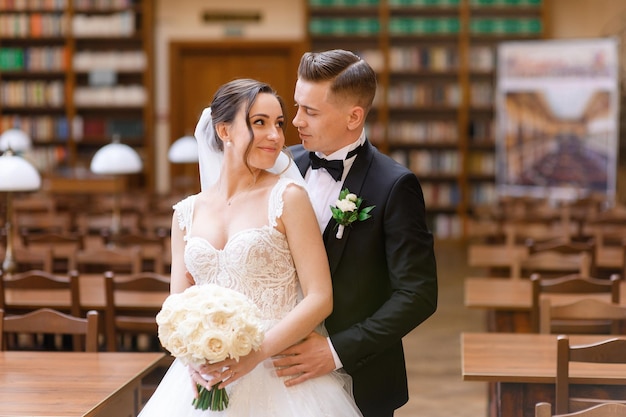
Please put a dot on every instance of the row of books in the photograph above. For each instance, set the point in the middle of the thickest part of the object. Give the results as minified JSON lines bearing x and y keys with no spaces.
{"x":90,"y":128}
{"x":446,"y":226}
{"x":44,"y":58}
{"x":118,"y":96}
{"x":47,"y":158}
{"x":33,"y":25}
{"x":481,"y":94}
{"x":424,"y":25}
{"x":101,"y":4}
{"x":344,"y":26}
{"x":110,"y":60}
{"x":32,"y":93}
{"x":483,"y":193}
{"x":407,"y":26}
{"x":420,"y":95}
{"x":481,"y":163}
{"x":425,"y":3}
{"x":433,"y":58}
{"x":506,"y":26}
{"x":431,"y":132}
{"x":440,"y":162}
{"x":481,"y":131}
{"x":32,"y":4}
{"x":442,"y":194}
{"x":506,"y":3}
{"x":112,"y":25}
{"x":41,"y":129}
{"x":343,"y":3}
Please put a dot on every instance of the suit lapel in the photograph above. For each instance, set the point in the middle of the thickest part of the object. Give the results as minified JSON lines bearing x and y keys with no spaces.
{"x":354,"y":182}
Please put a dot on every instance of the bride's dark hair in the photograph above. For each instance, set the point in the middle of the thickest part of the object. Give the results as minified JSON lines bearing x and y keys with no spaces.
{"x":231,"y":97}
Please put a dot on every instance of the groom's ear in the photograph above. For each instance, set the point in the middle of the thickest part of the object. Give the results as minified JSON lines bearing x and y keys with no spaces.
{"x":355,"y":117}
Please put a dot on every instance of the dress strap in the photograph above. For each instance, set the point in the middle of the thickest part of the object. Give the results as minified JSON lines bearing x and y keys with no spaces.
{"x":184,"y":213}
{"x":276,"y":203}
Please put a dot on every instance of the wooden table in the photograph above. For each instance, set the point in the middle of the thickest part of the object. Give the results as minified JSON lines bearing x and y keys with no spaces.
{"x":92,"y":297}
{"x":509,"y":301}
{"x":68,"y":384}
{"x":522,"y":370}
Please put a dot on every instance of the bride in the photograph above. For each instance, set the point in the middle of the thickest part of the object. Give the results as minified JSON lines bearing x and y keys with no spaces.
{"x":252,"y":230}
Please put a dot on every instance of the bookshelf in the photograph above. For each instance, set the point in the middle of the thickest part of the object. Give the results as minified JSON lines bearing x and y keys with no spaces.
{"x":74,"y":73}
{"x":435,"y":61}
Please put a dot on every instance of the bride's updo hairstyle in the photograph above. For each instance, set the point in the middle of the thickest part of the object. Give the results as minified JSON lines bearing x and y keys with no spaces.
{"x":230,"y":98}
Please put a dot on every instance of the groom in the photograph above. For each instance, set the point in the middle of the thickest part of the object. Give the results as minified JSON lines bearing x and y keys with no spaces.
{"x":383,"y":268}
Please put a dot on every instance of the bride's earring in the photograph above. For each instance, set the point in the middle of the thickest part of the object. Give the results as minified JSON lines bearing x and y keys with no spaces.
{"x":228,"y":144}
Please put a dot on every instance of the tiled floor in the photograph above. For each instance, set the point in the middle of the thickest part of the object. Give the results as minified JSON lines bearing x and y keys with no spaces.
{"x":433,"y":349}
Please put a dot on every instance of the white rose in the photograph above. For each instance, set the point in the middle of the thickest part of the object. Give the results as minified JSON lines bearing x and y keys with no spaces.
{"x":351,"y":197}
{"x":345,"y":205}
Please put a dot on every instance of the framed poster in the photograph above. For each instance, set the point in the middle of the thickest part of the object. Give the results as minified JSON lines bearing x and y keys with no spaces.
{"x":557,"y":110}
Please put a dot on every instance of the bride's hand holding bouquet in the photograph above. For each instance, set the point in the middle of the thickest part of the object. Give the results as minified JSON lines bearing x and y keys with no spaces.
{"x":214,"y":325}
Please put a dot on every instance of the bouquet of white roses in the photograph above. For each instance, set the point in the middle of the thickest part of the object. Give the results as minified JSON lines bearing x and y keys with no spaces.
{"x":209,"y":323}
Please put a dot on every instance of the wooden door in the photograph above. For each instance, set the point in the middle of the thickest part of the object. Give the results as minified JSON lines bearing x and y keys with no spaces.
{"x":197,"y":69}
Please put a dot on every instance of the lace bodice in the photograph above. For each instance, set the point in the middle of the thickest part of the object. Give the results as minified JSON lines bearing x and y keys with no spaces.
{"x":256,"y":262}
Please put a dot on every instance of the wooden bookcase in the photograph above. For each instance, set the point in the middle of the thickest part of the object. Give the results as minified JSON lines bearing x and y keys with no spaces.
{"x":74,"y":74}
{"x":435,"y":61}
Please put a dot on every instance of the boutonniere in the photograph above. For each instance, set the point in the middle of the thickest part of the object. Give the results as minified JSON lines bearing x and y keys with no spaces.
{"x":348,"y":209}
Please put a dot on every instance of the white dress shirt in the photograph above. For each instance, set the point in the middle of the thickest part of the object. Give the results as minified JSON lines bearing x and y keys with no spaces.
{"x":324,"y":192}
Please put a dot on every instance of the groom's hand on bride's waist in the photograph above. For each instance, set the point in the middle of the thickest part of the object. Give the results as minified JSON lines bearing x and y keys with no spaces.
{"x":305,"y":360}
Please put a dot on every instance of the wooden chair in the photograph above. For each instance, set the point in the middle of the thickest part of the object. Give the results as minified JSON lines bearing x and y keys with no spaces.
{"x":606,"y":409}
{"x":102,"y":259}
{"x":49,"y":321}
{"x":121,"y":321}
{"x":62,"y":245}
{"x":567,"y":246}
{"x":570,"y":284}
{"x":609,"y":351}
{"x":37,"y":280}
{"x":590,"y":310}
{"x":153,"y":247}
{"x":33,"y":258}
{"x":42,"y":282}
{"x":552,"y":262}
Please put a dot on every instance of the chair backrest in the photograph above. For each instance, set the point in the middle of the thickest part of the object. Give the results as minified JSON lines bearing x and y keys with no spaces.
{"x":33,"y":258}
{"x":570,"y":284}
{"x":42,"y":280}
{"x":62,"y":245}
{"x":612,"y":350}
{"x":585,"y":310}
{"x":120,"y":320}
{"x":552,"y":264}
{"x":100,"y":260}
{"x":605,"y":409}
{"x":49,"y":321}
{"x":567,"y":246}
{"x":153,"y":247}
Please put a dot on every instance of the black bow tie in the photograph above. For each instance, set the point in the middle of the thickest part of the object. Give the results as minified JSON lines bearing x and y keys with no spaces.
{"x":334,"y":166}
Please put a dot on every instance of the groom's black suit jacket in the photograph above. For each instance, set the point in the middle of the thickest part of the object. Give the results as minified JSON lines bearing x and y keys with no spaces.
{"x":384,"y":278}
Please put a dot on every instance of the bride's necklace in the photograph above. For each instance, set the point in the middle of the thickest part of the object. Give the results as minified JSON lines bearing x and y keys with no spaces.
{"x":243,"y":191}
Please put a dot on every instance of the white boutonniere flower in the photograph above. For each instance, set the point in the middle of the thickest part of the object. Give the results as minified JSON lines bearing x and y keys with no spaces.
{"x":347,"y":210}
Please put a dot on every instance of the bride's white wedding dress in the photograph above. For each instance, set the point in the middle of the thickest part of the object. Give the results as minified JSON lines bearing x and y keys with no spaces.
{"x":256,"y":262}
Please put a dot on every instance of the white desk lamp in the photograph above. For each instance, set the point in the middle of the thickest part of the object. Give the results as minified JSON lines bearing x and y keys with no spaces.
{"x":116,"y":159}
{"x":16,"y":174}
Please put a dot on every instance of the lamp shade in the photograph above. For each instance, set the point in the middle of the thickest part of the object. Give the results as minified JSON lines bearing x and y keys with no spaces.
{"x":17,"y":174}
{"x":15,"y":139}
{"x":183,"y":150}
{"x":116,"y":158}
